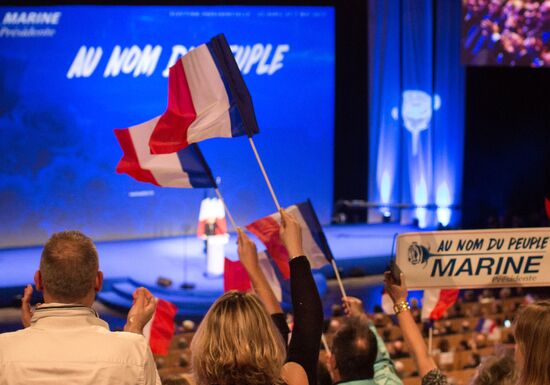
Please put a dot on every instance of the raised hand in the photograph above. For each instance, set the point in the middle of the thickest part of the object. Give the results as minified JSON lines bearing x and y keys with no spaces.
{"x":26,"y":311}
{"x":353,"y":307}
{"x":141,"y":312}
{"x":291,"y":234}
{"x":248,"y":255}
{"x":398,"y":293}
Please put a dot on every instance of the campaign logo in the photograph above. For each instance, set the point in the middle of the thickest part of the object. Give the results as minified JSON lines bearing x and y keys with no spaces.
{"x":416,"y":112}
{"x":31,"y":18}
{"x":29,"y":24}
{"x":418,"y":254}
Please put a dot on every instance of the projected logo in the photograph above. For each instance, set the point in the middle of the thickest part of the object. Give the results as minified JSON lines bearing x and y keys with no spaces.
{"x":416,"y":112}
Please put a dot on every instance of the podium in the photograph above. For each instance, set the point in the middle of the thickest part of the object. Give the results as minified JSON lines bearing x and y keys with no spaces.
{"x":215,"y":254}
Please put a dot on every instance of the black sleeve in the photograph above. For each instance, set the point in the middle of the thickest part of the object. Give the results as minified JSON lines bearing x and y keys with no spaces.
{"x":279,"y":319}
{"x":308,"y":318}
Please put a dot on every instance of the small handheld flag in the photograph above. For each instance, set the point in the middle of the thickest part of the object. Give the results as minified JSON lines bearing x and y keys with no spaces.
{"x":315,"y":245}
{"x":160,"y":329}
{"x":184,"y":169}
{"x":207,"y":98}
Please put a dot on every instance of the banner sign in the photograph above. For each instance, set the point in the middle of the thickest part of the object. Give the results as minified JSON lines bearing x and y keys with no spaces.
{"x":475,"y":258}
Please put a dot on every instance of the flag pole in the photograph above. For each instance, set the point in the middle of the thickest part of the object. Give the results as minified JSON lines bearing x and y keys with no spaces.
{"x":325,"y":344}
{"x":338,"y":278}
{"x":264,"y":173}
{"x":219,"y":194}
{"x":327,"y":247}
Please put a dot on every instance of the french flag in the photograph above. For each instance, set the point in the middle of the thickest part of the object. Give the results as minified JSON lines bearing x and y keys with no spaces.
{"x":236,"y":277}
{"x":435,"y":302}
{"x":207,"y":98}
{"x":160,"y":329}
{"x":185,"y":169}
{"x":314,"y":241}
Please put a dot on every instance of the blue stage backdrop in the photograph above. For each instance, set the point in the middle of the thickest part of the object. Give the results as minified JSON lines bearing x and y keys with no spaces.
{"x":70,"y":74}
{"x":416,"y":92}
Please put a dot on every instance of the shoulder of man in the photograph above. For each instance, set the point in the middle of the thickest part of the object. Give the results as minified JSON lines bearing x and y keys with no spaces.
{"x":384,"y":374}
{"x":128,"y":338}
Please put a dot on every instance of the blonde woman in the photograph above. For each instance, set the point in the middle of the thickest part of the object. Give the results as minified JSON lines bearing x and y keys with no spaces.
{"x":532,"y":334}
{"x":238,"y":343}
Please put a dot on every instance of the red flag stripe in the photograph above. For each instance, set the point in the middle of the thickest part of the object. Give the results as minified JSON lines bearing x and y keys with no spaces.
{"x":129,"y":164}
{"x":267,"y":231}
{"x":170,"y":134}
{"x":447,"y":298}
{"x":235,"y":276}
{"x":162,"y":328}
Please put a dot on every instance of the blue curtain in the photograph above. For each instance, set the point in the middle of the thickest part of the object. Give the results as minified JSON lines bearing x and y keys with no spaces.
{"x":416,"y":110}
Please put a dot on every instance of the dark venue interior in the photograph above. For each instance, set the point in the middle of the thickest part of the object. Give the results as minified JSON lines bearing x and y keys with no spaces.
{"x":184,"y":183}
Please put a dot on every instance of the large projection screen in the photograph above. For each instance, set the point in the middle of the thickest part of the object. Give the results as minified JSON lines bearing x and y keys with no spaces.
{"x":69,"y":75}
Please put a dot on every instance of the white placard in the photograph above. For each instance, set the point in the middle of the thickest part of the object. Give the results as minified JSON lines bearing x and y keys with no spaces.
{"x":475,"y":258}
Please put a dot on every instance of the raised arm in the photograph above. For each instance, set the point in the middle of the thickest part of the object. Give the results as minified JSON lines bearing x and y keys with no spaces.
{"x":303,"y":352}
{"x":248,"y":256}
{"x":424,"y":362}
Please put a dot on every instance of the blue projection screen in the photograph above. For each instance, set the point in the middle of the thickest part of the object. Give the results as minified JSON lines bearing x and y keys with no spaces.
{"x":70,"y":74}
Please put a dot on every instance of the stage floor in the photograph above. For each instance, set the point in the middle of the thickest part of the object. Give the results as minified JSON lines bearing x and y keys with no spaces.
{"x":358,"y":250}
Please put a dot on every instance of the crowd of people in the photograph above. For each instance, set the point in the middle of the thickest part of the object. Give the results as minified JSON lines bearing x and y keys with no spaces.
{"x":244,"y":339}
{"x":507,"y":32}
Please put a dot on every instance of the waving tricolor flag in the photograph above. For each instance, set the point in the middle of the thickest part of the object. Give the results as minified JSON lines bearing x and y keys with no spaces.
{"x":207,"y":98}
{"x":313,"y":239}
{"x":160,"y":329}
{"x":186,"y":168}
{"x":236,"y":278}
{"x":435,"y":302}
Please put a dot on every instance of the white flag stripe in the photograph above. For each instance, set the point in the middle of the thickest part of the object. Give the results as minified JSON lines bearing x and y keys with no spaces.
{"x":270,"y":275}
{"x":165,"y":168}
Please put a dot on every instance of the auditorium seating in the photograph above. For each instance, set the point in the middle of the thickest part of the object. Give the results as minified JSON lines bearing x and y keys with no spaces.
{"x":455,"y":362}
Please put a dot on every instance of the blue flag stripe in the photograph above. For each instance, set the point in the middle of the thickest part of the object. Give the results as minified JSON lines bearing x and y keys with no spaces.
{"x":309,"y":215}
{"x":194,"y":164}
{"x":228,"y":66}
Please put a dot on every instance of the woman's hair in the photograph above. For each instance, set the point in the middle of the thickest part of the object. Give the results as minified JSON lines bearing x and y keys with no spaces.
{"x":237,"y":343}
{"x":497,"y":370}
{"x":532,"y":333}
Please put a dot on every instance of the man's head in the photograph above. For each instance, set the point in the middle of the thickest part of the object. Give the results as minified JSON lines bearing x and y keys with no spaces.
{"x":69,"y":269}
{"x":353,"y":352}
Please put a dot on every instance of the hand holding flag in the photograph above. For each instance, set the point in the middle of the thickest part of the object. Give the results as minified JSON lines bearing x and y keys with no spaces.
{"x":353,"y":307}
{"x":246,"y":249}
{"x":262,"y":286}
{"x":313,"y":243}
{"x":291,"y":234}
